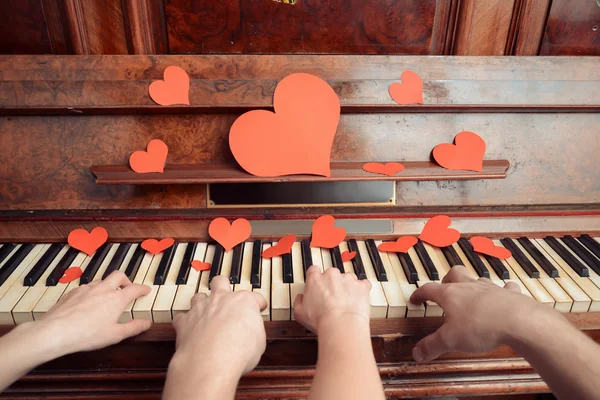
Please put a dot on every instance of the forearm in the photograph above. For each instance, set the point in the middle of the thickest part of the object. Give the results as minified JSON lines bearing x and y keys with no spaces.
{"x":346,"y":367}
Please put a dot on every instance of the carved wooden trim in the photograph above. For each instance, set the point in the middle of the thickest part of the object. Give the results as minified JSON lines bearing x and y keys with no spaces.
{"x":77,"y":28}
{"x":145,"y":23}
{"x":441,"y":24}
{"x":58,"y":31}
{"x":530,"y":28}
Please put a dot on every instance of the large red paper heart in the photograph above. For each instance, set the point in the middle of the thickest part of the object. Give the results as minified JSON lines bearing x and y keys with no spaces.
{"x":200,"y":266}
{"x":324,"y":234}
{"x":152,"y":160}
{"x":297,"y":138}
{"x":70,"y":275}
{"x":389,"y":169}
{"x":154,"y":246}
{"x":437,"y":233}
{"x":486,"y":246}
{"x":348,"y":256}
{"x":283,"y":246}
{"x":87,"y":242}
{"x":410,"y":91}
{"x":227,"y":235}
{"x":173,"y":90}
{"x":465,"y":154}
{"x":401,"y":245}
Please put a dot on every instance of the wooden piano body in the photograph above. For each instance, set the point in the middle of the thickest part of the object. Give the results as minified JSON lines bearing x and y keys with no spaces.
{"x":62,"y":115}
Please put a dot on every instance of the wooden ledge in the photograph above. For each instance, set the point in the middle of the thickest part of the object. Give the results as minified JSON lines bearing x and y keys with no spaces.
{"x":185,"y":174}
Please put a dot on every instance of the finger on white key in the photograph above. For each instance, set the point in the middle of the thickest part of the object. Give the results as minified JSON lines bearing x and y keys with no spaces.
{"x":142,"y":307}
{"x":265,"y":284}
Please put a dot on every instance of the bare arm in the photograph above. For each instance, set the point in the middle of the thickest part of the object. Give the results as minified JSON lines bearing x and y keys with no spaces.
{"x":481,"y":316}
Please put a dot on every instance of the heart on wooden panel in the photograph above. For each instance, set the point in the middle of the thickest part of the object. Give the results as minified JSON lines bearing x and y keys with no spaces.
{"x":87,"y":242}
{"x":151,"y":160}
{"x":465,"y":154}
{"x":228,"y":235}
{"x":436,"y":232}
{"x":173,"y":90}
{"x":486,"y":246}
{"x":154,"y":246}
{"x":410,"y":91}
{"x":389,"y":169}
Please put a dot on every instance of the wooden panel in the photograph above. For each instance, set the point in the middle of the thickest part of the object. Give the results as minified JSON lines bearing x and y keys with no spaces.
{"x":530,"y":27}
{"x":22,"y":28}
{"x":146,"y":26}
{"x":58,"y":27}
{"x":572,"y":29}
{"x":310,"y":26}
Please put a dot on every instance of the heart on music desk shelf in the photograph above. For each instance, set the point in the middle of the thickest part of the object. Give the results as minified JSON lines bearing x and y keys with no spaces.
{"x":227,"y":235}
{"x":465,"y":154}
{"x":87,"y":242}
{"x":297,"y":137}
{"x":348,"y":256}
{"x":401,"y":245}
{"x":173,"y":90}
{"x":325,"y":234}
{"x":410,"y":91}
{"x":151,"y":160}
{"x":154,"y":246}
{"x":437,"y":232}
{"x":486,"y":246}
{"x":200,"y":266}
{"x":389,"y":169}
{"x":283,"y":246}
{"x":70,"y":275}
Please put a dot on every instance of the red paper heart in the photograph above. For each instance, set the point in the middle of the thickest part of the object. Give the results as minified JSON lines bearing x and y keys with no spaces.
{"x":152,"y":160}
{"x":324,"y":234}
{"x":283,"y":246}
{"x":401,"y":245}
{"x":389,"y":169}
{"x":173,"y":90}
{"x":70,"y":275}
{"x":87,"y":242}
{"x":227,"y":235}
{"x":297,"y":138}
{"x":437,"y":233}
{"x":154,"y":246}
{"x":465,"y":154}
{"x":348,"y":256}
{"x":200,"y":266}
{"x":410,"y":91}
{"x":486,"y":246}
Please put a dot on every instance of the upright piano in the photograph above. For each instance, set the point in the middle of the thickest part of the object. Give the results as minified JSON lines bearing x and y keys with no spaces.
{"x":69,"y":125}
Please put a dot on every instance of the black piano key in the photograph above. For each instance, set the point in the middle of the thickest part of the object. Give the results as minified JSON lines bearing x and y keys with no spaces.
{"x":587,"y":257}
{"x":256,"y":270}
{"x":589,"y":242}
{"x":409,"y":268}
{"x":186,"y":263}
{"x":13,"y":262}
{"x":215,"y":268}
{"x":427,"y":262}
{"x":498,"y":266}
{"x":538,"y":257}
{"x":38,"y":269}
{"x":165,"y":265}
{"x":94,"y":265}
{"x":359,"y":268}
{"x":117,"y":260}
{"x":520,"y":258}
{"x":451,"y":256}
{"x":236,"y":264}
{"x":336,"y":259}
{"x":61,"y":267}
{"x":376,"y":260}
{"x":474,"y":258}
{"x":135,"y":262}
{"x":307,"y":260}
{"x":574,"y":263}
{"x":5,"y":250}
{"x":288,"y":271}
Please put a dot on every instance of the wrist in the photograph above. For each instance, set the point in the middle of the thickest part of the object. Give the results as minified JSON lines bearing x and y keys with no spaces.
{"x":35,"y":341}
{"x":531,"y":325}
{"x":344,"y":325}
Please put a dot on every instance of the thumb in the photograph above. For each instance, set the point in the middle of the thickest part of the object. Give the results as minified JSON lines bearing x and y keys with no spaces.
{"x":434,"y":345}
{"x":132,"y":328}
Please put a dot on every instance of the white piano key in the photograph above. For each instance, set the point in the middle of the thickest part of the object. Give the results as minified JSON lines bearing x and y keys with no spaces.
{"x":109,"y":256}
{"x":246,"y":272}
{"x":226,"y":265}
{"x":142,"y":308}
{"x":280,"y":292}
{"x":348,"y":266}
{"x":327,"y":260}
{"x":391,"y":288}
{"x":594,"y":277}
{"x":438,"y":259}
{"x":161,"y":309}
{"x":379,"y":305}
{"x":128,"y":257}
{"x":200,"y":255}
{"x":23,"y":268}
{"x":412,"y":310}
{"x":465,"y":261}
{"x":317,"y":258}
{"x":16,"y":248}
{"x":203,"y":286}
{"x":139,"y":278}
{"x":265,"y":284}
{"x":297,"y":264}
{"x":432,"y":309}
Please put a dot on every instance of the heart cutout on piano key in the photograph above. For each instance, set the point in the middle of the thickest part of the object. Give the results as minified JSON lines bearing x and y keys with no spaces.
{"x":389,"y":169}
{"x":486,"y":246}
{"x":283,"y":246}
{"x":70,"y":275}
{"x":174,"y":89}
{"x":401,"y":245}
{"x":87,"y":242}
{"x":200,"y":266}
{"x":151,"y":160}
{"x":325,"y":234}
{"x":227,"y":235}
{"x":465,"y":154}
{"x":348,"y":255}
{"x":154,"y":246}
{"x":437,"y":233}
{"x":410,"y":91}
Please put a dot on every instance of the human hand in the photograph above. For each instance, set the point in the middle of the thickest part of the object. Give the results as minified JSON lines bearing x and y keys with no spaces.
{"x":480,"y":316}
{"x":330,"y":297}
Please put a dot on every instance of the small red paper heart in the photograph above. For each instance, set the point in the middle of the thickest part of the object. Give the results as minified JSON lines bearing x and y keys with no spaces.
{"x":154,"y":246}
{"x":465,"y":154}
{"x":227,"y":235}
{"x":324,"y":234}
{"x":486,"y":246}
{"x":436,"y":232}
{"x":410,"y":91}
{"x":348,"y":256}
{"x":401,"y":245}
{"x":152,"y":160}
{"x":87,"y":242}
{"x":389,"y":169}
{"x":283,"y":246}
{"x":173,"y":90}
{"x":70,"y":275}
{"x":200,"y":266}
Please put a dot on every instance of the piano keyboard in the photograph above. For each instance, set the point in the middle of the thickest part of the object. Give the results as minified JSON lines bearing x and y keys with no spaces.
{"x":562,"y":272}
